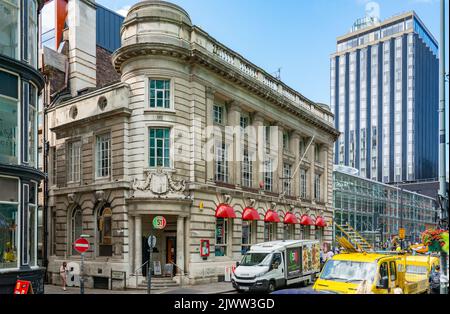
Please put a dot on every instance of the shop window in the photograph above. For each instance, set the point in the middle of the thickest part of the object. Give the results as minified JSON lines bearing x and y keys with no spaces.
{"x":9,"y":204}
{"x":221,"y":236}
{"x":289,"y":232}
{"x":32,"y":224}
{"x":270,"y":231}
{"x":105,"y":232}
{"x":9,"y":122}
{"x":76,"y":224}
{"x":306,"y":232}
{"x":160,"y":94}
{"x":248,"y":234}
{"x":319,"y":234}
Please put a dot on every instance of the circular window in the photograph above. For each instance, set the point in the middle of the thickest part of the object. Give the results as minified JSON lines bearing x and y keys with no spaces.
{"x":73,"y":112}
{"x":102,"y":103}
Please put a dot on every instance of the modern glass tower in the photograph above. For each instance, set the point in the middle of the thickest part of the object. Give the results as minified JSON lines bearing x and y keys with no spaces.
{"x":384,"y":94}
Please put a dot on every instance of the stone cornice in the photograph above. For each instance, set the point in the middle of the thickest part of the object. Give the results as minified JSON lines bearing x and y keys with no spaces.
{"x":83,"y":122}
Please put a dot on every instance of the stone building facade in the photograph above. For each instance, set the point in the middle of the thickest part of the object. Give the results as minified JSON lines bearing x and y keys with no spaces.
{"x":155,"y":144}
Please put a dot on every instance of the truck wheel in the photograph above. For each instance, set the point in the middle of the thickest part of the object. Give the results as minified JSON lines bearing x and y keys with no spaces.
{"x":271,"y":287}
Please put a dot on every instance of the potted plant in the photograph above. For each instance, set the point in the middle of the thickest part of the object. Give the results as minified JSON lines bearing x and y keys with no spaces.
{"x":436,"y":240}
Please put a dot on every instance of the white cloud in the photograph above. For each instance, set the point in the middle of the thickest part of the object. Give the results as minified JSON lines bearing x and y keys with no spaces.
{"x":124,"y":10}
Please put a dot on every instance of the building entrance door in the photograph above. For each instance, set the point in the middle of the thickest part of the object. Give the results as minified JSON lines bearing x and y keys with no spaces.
{"x":171,"y":251}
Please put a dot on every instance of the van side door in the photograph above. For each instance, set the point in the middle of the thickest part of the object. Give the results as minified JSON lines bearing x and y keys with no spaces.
{"x":277,"y":269}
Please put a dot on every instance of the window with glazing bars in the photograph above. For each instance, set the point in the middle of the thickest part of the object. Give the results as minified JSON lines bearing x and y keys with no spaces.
{"x":317,"y":187}
{"x":287,"y":173}
{"x":218,"y":114}
{"x":302,"y":183}
{"x":74,"y":162}
{"x":268,"y":175}
{"x":159,"y":154}
{"x":103,"y":154}
{"x":160,"y":94}
{"x":221,"y":162}
{"x":247,"y":170}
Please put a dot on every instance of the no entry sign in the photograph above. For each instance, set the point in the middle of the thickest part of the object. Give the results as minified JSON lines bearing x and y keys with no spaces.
{"x":81,"y":245}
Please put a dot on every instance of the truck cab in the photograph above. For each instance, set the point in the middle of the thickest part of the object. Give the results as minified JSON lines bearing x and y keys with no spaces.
{"x":366,"y":273}
{"x":259,"y":271}
{"x":273,"y":265}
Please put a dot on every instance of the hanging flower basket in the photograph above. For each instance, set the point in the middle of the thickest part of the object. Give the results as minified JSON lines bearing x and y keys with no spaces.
{"x":436,"y":240}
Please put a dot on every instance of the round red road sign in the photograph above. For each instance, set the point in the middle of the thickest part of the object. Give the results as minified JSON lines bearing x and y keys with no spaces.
{"x":81,"y":245}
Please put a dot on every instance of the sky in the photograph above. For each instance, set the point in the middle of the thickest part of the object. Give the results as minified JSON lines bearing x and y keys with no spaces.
{"x":296,"y":36}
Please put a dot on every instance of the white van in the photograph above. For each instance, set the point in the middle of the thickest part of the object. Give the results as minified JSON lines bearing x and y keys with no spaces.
{"x":273,"y":265}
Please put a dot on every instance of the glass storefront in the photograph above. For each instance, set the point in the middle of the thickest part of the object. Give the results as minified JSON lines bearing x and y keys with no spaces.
{"x":9,"y":31}
{"x":9,"y":205}
{"x":377,"y":210}
{"x":9,"y":118}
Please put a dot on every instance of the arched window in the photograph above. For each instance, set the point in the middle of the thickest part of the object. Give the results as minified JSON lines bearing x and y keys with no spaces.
{"x":104,"y":225}
{"x":76,"y":227}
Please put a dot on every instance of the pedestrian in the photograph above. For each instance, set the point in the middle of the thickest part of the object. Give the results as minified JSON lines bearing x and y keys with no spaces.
{"x":63,"y":274}
{"x":435,"y":280}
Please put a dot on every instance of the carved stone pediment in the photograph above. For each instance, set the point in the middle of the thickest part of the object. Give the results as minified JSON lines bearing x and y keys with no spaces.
{"x":158,"y":184}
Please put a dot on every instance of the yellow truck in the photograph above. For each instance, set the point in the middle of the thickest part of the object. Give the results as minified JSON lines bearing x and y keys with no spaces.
{"x":418,"y":268}
{"x":361,"y":272}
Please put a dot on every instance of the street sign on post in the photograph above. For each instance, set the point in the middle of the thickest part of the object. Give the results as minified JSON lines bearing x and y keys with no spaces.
{"x":401,"y":233}
{"x":151,"y":243}
{"x":81,"y":245}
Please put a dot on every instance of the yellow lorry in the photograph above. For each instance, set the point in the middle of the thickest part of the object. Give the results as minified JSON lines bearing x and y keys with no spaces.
{"x":361,"y":272}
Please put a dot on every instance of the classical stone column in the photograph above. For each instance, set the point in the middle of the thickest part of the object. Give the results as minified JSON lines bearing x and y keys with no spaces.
{"x":138,"y":242}
{"x":278,"y":172}
{"x":131,"y":241}
{"x":180,"y":244}
{"x":258,"y":166}
{"x":234,"y":119}
{"x":209,"y":125}
{"x":311,"y":169}
{"x":295,"y":149}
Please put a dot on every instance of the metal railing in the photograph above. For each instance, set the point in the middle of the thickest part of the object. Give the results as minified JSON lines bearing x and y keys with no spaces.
{"x":182,"y":272}
{"x":135,"y":273}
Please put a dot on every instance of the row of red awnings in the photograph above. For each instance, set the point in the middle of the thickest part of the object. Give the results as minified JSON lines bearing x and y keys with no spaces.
{"x":249,"y":213}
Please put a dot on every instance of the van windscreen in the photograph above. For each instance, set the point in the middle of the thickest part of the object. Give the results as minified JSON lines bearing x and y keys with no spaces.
{"x":252,"y":259}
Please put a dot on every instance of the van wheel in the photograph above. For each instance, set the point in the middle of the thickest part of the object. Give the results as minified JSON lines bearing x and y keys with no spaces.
{"x":271,"y":287}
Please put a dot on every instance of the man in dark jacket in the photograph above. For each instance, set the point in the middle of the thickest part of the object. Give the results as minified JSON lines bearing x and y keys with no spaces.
{"x":435,"y":281}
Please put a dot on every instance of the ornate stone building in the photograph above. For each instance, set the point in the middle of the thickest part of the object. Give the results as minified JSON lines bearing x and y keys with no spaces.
{"x":156,"y":144}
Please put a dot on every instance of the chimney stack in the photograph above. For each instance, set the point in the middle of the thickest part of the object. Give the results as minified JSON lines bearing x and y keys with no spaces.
{"x":82,"y":45}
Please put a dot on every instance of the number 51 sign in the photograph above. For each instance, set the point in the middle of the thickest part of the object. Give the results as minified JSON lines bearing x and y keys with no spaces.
{"x":159,"y":222}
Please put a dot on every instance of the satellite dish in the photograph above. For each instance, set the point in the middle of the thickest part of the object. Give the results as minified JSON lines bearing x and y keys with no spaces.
{"x":373,"y":10}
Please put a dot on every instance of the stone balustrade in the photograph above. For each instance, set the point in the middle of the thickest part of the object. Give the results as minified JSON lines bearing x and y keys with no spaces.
{"x":230,"y":57}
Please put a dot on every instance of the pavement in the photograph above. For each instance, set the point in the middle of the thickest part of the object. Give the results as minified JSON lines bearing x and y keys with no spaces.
{"x":211,"y":288}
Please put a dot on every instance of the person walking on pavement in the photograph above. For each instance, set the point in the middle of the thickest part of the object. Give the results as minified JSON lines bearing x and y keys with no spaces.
{"x":435,"y":280}
{"x":63,"y":274}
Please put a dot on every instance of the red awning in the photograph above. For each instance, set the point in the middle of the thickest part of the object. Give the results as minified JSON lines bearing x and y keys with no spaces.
{"x":320,"y":222}
{"x":271,"y":216}
{"x":250,"y":214}
{"x":305,"y":220}
{"x":225,"y":211}
{"x":290,"y":218}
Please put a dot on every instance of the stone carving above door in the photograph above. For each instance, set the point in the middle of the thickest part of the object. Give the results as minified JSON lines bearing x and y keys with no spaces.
{"x":158,"y":184}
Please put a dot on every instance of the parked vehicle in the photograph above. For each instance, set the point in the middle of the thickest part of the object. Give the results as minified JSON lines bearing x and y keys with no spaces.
{"x":418,"y":268}
{"x":273,"y":265}
{"x":368,"y":273}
